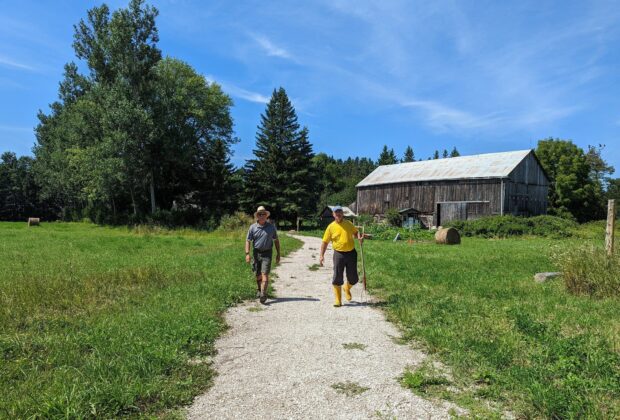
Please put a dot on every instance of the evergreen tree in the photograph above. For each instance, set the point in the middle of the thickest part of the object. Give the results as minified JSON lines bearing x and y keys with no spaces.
{"x":436,"y":154}
{"x":408,"y":156}
{"x":387,"y":157}
{"x":444,"y":154}
{"x":281,"y":176}
{"x":454,"y":152}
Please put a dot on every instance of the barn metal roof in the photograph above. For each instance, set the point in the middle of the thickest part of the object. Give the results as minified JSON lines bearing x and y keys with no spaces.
{"x":489,"y":165}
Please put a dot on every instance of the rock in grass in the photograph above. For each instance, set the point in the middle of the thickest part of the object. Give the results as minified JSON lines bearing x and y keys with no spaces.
{"x":543,"y":277}
{"x":33,"y":221}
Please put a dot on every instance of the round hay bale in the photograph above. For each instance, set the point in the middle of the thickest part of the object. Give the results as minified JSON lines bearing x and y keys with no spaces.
{"x":33,"y":221}
{"x":447,"y":236}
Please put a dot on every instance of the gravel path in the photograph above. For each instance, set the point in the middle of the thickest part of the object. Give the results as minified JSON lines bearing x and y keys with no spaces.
{"x":280,"y":361}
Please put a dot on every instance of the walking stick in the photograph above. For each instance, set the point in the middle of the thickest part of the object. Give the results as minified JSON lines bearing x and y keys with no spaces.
{"x":363,"y":265}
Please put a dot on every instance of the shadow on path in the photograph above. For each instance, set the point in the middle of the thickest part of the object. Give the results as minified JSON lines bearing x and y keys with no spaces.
{"x":291,"y":299}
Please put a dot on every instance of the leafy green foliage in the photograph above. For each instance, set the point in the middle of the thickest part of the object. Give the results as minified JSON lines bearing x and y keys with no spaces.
{"x":106,"y":323}
{"x":575,"y":179}
{"x":393,"y":217}
{"x":281,"y":176}
{"x":505,"y":226}
{"x":137,"y":132}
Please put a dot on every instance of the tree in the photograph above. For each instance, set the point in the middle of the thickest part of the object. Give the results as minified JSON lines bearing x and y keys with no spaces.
{"x":454,"y":152}
{"x":387,"y":157}
{"x":281,"y":176}
{"x":444,"y":154}
{"x":436,"y":154}
{"x":137,"y":131}
{"x":408,"y":156}
{"x":19,"y":194}
{"x":573,"y":190}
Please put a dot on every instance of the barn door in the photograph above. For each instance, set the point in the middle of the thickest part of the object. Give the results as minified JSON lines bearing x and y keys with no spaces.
{"x":452,"y":211}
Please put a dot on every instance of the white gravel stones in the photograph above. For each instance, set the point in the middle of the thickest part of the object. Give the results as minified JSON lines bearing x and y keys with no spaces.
{"x":281,"y":362}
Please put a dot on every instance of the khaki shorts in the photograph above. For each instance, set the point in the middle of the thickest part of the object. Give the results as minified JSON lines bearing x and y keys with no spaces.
{"x":262,"y":261}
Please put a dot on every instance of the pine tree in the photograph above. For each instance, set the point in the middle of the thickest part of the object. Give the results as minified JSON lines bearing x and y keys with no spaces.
{"x":281,"y":176}
{"x":444,"y":154}
{"x":408,"y":156}
{"x":436,"y":154}
{"x":454,"y":152}
{"x":387,"y":157}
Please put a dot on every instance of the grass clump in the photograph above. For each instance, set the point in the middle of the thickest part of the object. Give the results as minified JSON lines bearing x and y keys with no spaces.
{"x":590,"y":271}
{"x":103,"y":322}
{"x":354,"y":346}
{"x":532,"y":348}
{"x":314,"y":267}
{"x":350,"y":389}
{"x":506,"y":226}
{"x":423,"y":379}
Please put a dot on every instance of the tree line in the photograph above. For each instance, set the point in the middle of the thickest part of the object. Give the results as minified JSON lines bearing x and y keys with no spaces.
{"x":139,"y":137}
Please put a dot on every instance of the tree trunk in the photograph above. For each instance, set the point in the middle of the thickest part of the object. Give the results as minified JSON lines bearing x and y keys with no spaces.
{"x":133,"y":201}
{"x":152,"y":188}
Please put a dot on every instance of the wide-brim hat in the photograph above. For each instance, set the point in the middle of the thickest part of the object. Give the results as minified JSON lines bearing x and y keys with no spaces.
{"x":261,"y":209}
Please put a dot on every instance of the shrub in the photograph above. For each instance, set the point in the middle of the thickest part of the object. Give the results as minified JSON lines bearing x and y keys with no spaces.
{"x":236,"y":221}
{"x":505,"y":226}
{"x":393,"y":217}
{"x":588,"y":270}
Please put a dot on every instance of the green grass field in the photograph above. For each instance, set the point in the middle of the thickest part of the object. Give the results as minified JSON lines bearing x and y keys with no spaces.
{"x":531,"y":348}
{"x":106,"y":322}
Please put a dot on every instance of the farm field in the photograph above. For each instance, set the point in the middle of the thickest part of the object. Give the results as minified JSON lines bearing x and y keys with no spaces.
{"x":535,"y":349}
{"x":105,"y":322}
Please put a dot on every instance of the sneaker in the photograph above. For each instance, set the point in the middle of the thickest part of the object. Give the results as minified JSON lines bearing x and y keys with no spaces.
{"x":263,"y":298}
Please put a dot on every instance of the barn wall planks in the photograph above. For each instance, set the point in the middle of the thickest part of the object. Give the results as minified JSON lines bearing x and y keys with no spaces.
{"x":424,"y":196}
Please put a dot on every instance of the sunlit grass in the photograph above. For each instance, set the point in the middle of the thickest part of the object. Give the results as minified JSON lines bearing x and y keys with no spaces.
{"x":101,"y":322}
{"x":535,"y":348}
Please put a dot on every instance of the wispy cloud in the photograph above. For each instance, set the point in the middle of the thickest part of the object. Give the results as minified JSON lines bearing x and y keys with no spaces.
{"x":14,"y":128}
{"x":239,"y":92}
{"x":269,"y":47}
{"x":443,"y":117}
{"x":11,"y":63}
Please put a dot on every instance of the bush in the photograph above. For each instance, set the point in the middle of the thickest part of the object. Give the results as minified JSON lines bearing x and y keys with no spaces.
{"x":505,"y":226}
{"x":385,"y":232}
{"x":589,"y":271}
{"x":236,"y":221}
{"x":393,"y":217}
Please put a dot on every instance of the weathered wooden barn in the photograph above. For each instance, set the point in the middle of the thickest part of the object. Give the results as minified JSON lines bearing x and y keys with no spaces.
{"x":460,"y":188}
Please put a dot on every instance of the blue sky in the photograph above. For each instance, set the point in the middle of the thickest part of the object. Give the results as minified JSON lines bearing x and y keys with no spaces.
{"x":484,"y":76}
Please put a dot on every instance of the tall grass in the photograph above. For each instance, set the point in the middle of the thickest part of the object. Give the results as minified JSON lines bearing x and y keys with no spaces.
{"x":533,"y":348}
{"x":100,"y":322}
{"x":589,"y":270}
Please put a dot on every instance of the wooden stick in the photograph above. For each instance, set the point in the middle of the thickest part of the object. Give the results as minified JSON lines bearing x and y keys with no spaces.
{"x":363,"y":265}
{"x":611,"y":225}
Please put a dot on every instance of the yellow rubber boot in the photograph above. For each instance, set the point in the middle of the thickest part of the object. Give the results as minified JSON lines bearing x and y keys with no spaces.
{"x":347,"y":291}
{"x":338,"y":296}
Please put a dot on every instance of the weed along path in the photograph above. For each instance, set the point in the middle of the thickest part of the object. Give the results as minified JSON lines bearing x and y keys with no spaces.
{"x":298,"y":357}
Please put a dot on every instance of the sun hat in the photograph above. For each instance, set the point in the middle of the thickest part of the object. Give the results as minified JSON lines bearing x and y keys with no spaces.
{"x":261,"y":209}
{"x":337,"y":208}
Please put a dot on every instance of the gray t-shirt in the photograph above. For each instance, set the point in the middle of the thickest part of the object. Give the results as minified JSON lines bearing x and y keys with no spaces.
{"x":262,"y":236}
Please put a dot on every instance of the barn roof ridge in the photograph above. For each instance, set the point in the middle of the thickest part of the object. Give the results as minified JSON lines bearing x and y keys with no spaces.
{"x":480,"y":166}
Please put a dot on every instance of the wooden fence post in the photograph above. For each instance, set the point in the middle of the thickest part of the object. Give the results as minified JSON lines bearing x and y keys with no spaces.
{"x":611,"y":224}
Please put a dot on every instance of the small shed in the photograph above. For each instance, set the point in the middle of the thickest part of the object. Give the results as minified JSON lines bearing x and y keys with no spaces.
{"x":326,"y":216}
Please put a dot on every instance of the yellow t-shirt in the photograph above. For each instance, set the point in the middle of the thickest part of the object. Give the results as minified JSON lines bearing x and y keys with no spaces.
{"x":341,"y":235}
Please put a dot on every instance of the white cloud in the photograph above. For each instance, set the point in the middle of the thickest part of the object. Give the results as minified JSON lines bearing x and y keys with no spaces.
{"x":15,"y":128}
{"x":443,"y":117}
{"x":239,"y":92}
{"x":8,"y":62}
{"x":269,"y":47}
